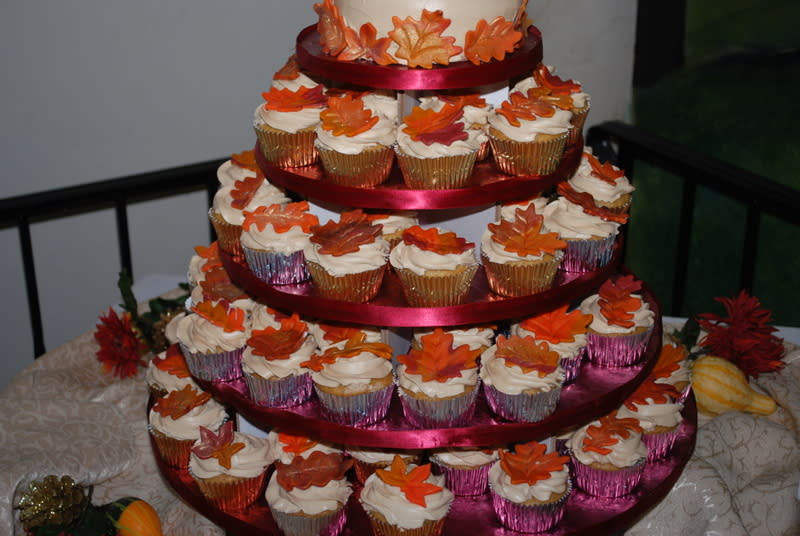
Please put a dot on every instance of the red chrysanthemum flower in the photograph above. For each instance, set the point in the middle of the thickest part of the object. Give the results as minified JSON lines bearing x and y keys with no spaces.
{"x":120,"y":349}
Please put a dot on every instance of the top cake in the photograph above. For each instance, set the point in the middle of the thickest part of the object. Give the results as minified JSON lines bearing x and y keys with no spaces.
{"x":420,"y":33}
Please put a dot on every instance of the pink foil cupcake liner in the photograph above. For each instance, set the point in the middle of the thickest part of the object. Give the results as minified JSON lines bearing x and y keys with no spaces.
{"x":617,"y":351}
{"x":660,"y":444}
{"x":439,"y":413}
{"x":529,"y":517}
{"x":223,"y":366}
{"x":571,"y":366}
{"x":277,"y":268}
{"x":232,"y":496}
{"x":300,"y":525}
{"x":522,"y":407}
{"x":600,"y":483}
{"x":356,"y":410}
{"x":587,"y":255}
{"x":279,"y":393}
{"x":465,"y":482}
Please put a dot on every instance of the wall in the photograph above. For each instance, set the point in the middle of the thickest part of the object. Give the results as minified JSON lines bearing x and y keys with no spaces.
{"x":93,"y":90}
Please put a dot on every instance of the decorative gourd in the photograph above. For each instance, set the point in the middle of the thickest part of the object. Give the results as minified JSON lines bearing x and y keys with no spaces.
{"x":136,"y":518}
{"x":720,"y":386}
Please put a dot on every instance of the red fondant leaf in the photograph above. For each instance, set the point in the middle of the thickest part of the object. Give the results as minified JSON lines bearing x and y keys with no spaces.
{"x":353,"y":347}
{"x":217,"y":286}
{"x":173,"y":362}
{"x":587,"y":203}
{"x":281,"y":217}
{"x":346,"y":116}
{"x":669,"y":360}
{"x":318,"y":469}
{"x":178,"y":403}
{"x":544,"y":78}
{"x":220,"y":445}
{"x":289,"y":71}
{"x":211,"y":255}
{"x":246,"y":160}
{"x":557,"y":325}
{"x":491,"y":40}
{"x":428,"y":126}
{"x":229,"y":319}
{"x":286,"y":100}
{"x":519,"y":106}
{"x":244,"y":190}
{"x":606,"y":172}
{"x":274,"y":344}
{"x":649,"y":390}
{"x":608,"y":432}
{"x":421,"y":42}
{"x":295,"y":444}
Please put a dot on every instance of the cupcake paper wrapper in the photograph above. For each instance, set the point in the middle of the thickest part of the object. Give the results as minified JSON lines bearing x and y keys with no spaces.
{"x":277,"y":268}
{"x":600,"y":483}
{"x":330,"y":524}
{"x":363,"y":170}
{"x":529,"y":517}
{"x":617,"y":351}
{"x":578,"y":120}
{"x":383,"y":528}
{"x":527,"y":158}
{"x":174,"y":452}
{"x":227,"y":233}
{"x":587,"y":255}
{"x":287,"y":149}
{"x":444,"y":412}
{"x":231,"y":495}
{"x":356,"y":410}
{"x":483,"y":151}
{"x":466,"y":482}
{"x":571,"y":366}
{"x":356,"y":288}
{"x":223,"y":366}
{"x":279,"y":393}
{"x":441,"y":173}
{"x":436,"y":290}
{"x":521,"y":278}
{"x":522,"y":407}
{"x":660,"y":444}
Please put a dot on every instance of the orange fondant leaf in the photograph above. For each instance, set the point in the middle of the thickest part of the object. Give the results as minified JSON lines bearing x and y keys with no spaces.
{"x":491,"y":40}
{"x":245,"y":160}
{"x":557,"y":325}
{"x":346,"y":116}
{"x":651,"y":392}
{"x":617,"y":301}
{"x":173,"y":362}
{"x":295,"y":444}
{"x":462,"y":100}
{"x":318,"y":469}
{"x":530,"y":463}
{"x":286,"y":100}
{"x":431,"y":239}
{"x":428,"y":126}
{"x":274,"y":344}
{"x":229,"y":319}
{"x":218,"y":445}
{"x":347,"y":235}
{"x":281,"y":217}
{"x":519,"y":106}
{"x":524,"y":236}
{"x":421,"y":42}
{"x":331,"y":27}
{"x":587,"y":203}
{"x":178,"y":403}
{"x":544,"y":78}
{"x":437,"y":360}
{"x":525,"y":353}
{"x":545,"y":95}
{"x":608,"y":432}
{"x":606,"y":172}
{"x":211,"y":256}
{"x":669,"y":360}
{"x":366,"y":44}
{"x":411,"y":482}
{"x":353,"y":347}
{"x":244,"y":190}
{"x":334,"y":333}
{"x":289,"y":71}
{"x":217,"y":286}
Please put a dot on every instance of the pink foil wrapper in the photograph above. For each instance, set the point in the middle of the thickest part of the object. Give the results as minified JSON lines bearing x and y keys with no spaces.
{"x":232,"y":496}
{"x":529,"y":518}
{"x":356,"y":410}
{"x":617,"y":351}
{"x":602,"y":483}
{"x":465,"y":482}
{"x":439,"y":413}
{"x":279,"y":393}
{"x":571,"y":366}
{"x":223,"y":366}
{"x":659,"y":445}
{"x":322,"y":525}
{"x":587,"y":255}
{"x":522,"y":407}
{"x":277,"y":268}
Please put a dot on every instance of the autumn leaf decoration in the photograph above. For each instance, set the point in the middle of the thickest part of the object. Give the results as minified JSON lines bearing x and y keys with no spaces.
{"x":524,"y":236}
{"x":178,"y":403}
{"x":218,"y":445}
{"x":519,"y":106}
{"x":338,"y":333}
{"x":295,"y":444}
{"x":491,"y":40}
{"x":617,"y":301}
{"x":331,"y":27}
{"x":366,"y":45}
{"x":421,"y":43}
{"x":353,"y":347}
{"x":527,"y":354}
{"x":557,"y":325}
{"x":244,"y":190}
{"x":276,"y":344}
{"x":346,"y":116}
{"x":173,"y":362}
{"x":531,"y":463}
{"x":650,"y":392}
{"x":607,"y":172}
{"x":286,"y":100}
{"x":545,"y":79}
{"x":432,"y":239}
{"x":669,"y":360}
{"x":463,"y":100}
{"x":347,"y":235}
{"x":245,"y":160}
{"x":586,"y":202}
{"x":217,"y":285}
{"x":229,"y":319}
{"x":411,"y":482}
{"x":608,"y":432}
{"x":211,"y":255}
{"x":281,"y":217}
{"x":289,"y":71}
{"x":428,"y":126}
{"x":437,"y":360}
{"x":318,"y":470}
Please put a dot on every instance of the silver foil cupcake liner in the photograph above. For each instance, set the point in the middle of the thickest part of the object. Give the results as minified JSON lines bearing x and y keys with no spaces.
{"x":439,"y":413}
{"x":223,"y":366}
{"x":617,"y":351}
{"x":587,"y":255}
{"x":601,"y":483}
{"x":465,"y":482}
{"x":522,"y":407}
{"x":302,"y":525}
{"x":356,"y":410}
{"x":279,"y":393}
{"x":660,"y":444}
{"x":277,"y":268}
{"x":530,"y":517}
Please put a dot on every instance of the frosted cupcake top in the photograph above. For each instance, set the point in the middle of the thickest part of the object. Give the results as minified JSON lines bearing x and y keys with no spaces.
{"x":215,"y":327}
{"x":520,"y":239}
{"x":394,"y":223}
{"x":375,"y":456}
{"x":327,"y":335}
{"x":652,"y":404}
{"x":476,"y":337}
{"x":604,"y":182}
{"x":278,"y":353}
{"x":278,"y":228}
{"x":516,"y":365}
{"x":609,"y":440}
{"x":465,"y":457}
{"x":168,"y":371}
{"x":355,"y":364}
{"x":617,"y":307}
{"x":672,"y":366}
{"x":422,"y":250}
{"x":436,"y":368}
{"x":291,"y":111}
{"x":530,"y":473}
{"x":523,"y":116}
{"x":570,"y":221}
{"x":508,"y":211}
{"x":291,"y":77}
{"x":231,"y":201}
{"x":237,"y":168}
{"x":427,"y":132}
{"x":181,"y":413}
{"x":544,"y":77}
{"x":310,"y":486}
{"x":351,"y":245}
{"x":348,"y":126}
{"x":228,"y":453}
{"x":564,"y":332}
{"x":285,"y":447}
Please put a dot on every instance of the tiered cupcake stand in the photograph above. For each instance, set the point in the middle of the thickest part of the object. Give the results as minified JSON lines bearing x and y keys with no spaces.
{"x":594,"y":393}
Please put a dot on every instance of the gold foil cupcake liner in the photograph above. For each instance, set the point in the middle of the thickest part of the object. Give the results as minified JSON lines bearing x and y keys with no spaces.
{"x":440,"y":173}
{"x":174,"y":452}
{"x":522,"y":278}
{"x":356,"y":288}
{"x":231,"y":493}
{"x":527,"y":157}
{"x":227,"y":233}
{"x":578,"y":121}
{"x":363,"y":170}
{"x":381,"y":527}
{"x":287,"y":149}
{"x":438,"y":290}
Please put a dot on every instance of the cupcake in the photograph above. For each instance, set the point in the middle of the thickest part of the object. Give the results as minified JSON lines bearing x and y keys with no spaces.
{"x":438,"y":382}
{"x":605,"y":183}
{"x":518,"y":258}
{"x":621,"y":323}
{"x":347,"y":259}
{"x":204,"y":260}
{"x":476,"y":114}
{"x":528,"y":132}
{"x":521,"y":379}
{"x":508,"y":211}
{"x":307,"y":496}
{"x":273,"y":239}
{"x":406,"y":500}
{"x":659,"y":415}
{"x":435,"y":149}
{"x":479,"y":337}
{"x":672,"y":367}
{"x":175,"y":421}
{"x":608,"y":456}
{"x":393,"y":224}
{"x":229,"y":467}
{"x":271,"y":364}
{"x":354,"y":144}
{"x":590,"y":238}
{"x":466,"y":470}
{"x":237,"y":168}
{"x":286,"y":123}
{"x":327,"y":334}
{"x":285,"y":446}
{"x":354,"y":382}
{"x":530,"y":488}
{"x":367,"y":460}
{"x":563,"y":332}
{"x":168,"y":372}
{"x":213,"y":339}
{"x":435,"y":267}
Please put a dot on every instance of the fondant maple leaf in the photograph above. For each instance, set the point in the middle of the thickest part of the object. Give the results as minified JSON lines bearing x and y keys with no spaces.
{"x":557,"y":325}
{"x":524,"y":236}
{"x":336,"y":333}
{"x":429,"y":126}
{"x":286,"y":100}
{"x":531,"y":463}
{"x":243,"y":191}
{"x":211,"y":256}
{"x":527,"y":354}
{"x":587,"y":203}
{"x":274,"y":344}
{"x":437,"y":360}
{"x":366,"y":44}
{"x":491,"y":40}
{"x":462,"y":100}
{"x":421,"y":43}
{"x":608,"y":432}
{"x":217,"y":285}
{"x":544,"y":78}
{"x":544,"y":94}
{"x":617,"y":302}
{"x":245,"y":160}
{"x":606,"y":172}
{"x":669,"y":360}
{"x":295,"y":444}
{"x":354,"y":346}
{"x":346,"y":116}
{"x":173,"y":362}
{"x":289,"y":71}
{"x":229,"y":319}
{"x":331,"y":27}
{"x":318,"y":469}
{"x":347,"y":235}
{"x":220,"y":445}
{"x":519,"y":106}
{"x":649,"y":390}
{"x":178,"y":403}
{"x":432,"y":239}
{"x":281,"y":217}
{"x":411,"y":482}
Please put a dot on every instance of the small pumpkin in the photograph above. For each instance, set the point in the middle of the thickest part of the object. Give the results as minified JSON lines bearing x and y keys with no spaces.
{"x":720,"y":386}
{"x":135,"y":517}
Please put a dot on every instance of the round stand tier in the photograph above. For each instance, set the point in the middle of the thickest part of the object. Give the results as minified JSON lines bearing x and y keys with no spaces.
{"x":462,"y":74}
{"x":585,"y":514}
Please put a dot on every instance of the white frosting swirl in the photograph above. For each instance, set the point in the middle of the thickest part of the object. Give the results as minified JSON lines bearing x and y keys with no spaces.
{"x":355,"y":371}
{"x":513,"y":380}
{"x":497,"y":252}
{"x":643,"y":316}
{"x":210,"y":415}
{"x":464,"y":457}
{"x":314,"y":500}
{"x":276,"y":448}
{"x":262,"y":317}
{"x":201,"y":336}
{"x":565,"y":349}
{"x":558,"y":123}
{"x":624,"y":453}
{"x":169,"y":382}
{"x":653,"y":414}
{"x":384,"y":105}
{"x":248,"y":462}
{"x":301,"y":80}
{"x":475,"y":337}
{"x":391,"y":503}
{"x":420,"y":261}
{"x":381,"y":456}
{"x":508,"y":211}
{"x":278,"y":368}
{"x":371,"y":334}
{"x":584,"y":181}
{"x":571,"y":222}
{"x":307,"y":118}
{"x":266,"y":194}
{"x":542,"y":490}
{"x":368,"y":257}
{"x":228,"y":173}
{"x":435,"y":389}
{"x":397,"y":222}
{"x":381,"y":134}
{"x":419,"y":149}
{"x":290,"y":241}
